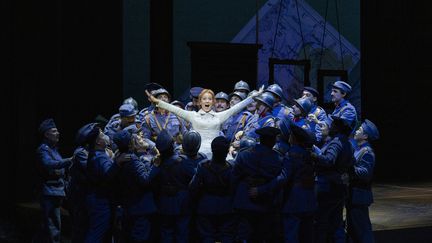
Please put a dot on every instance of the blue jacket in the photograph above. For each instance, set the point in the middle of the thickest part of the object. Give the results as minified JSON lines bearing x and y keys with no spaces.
{"x":336,"y":159}
{"x":175,"y":176}
{"x":346,"y":111}
{"x":152,"y":120}
{"x":136,"y":194}
{"x":78,"y":172}
{"x":297,"y":181}
{"x":253,"y":167}
{"x":52,"y":169}
{"x":257,"y":122}
{"x":361,"y":176}
{"x":321,"y":116}
{"x":235,"y":124}
{"x":282,"y":112}
{"x":212,"y":185}
{"x":101,"y":172}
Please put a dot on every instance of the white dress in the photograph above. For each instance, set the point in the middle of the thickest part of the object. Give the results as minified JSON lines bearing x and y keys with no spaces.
{"x":207,"y":124}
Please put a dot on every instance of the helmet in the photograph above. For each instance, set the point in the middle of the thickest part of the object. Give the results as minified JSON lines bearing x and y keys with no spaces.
{"x":239,"y":94}
{"x":131,"y":101}
{"x":241,"y":85}
{"x":275,"y":89}
{"x":304,"y":104}
{"x":222,"y":95}
{"x":191,"y":142}
{"x":267,"y":99}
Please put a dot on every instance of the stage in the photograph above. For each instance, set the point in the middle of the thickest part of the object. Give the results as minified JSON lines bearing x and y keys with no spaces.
{"x":401,"y":213}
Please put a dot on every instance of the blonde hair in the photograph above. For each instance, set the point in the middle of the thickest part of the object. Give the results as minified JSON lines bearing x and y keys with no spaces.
{"x":206,"y":91}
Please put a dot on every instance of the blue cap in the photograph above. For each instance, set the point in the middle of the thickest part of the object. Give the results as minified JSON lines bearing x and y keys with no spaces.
{"x":343,"y":86}
{"x":370,"y":129}
{"x":127,"y":110}
{"x":222,"y":95}
{"x":241,"y":95}
{"x":275,"y":89}
{"x":83,"y":133}
{"x":311,"y":90}
{"x":196,"y":91}
{"x":122,"y":139}
{"x":266,"y":98}
{"x":46,"y":125}
{"x":164,"y":141}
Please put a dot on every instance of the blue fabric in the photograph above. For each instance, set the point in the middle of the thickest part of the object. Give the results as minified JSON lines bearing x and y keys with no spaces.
{"x":137,"y":228}
{"x":216,"y":228}
{"x":256,"y":123}
{"x":51,"y":219}
{"x":233,"y":124}
{"x":151,"y":129}
{"x":361,"y":193}
{"x":349,"y":113}
{"x":281,"y":112}
{"x":100,"y":218}
{"x":52,"y":169}
{"x":359,"y":226}
{"x":101,"y":171}
{"x":298,"y":228}
{"x":175,"y":228}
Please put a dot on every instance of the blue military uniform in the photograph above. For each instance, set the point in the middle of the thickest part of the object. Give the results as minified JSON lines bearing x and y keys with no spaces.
{"x":332,"y":165}
{"x":211,"y":185}
{"x":101,"y":171}
{"x":52,"y":168}
{"x":125,"y":110}
{"x":253,"y":167}
{"x":359,"y":226}
{"x":155,"y":122}
{"x":137,"y":198}
{"x":256,"y":122}
{"x":281,"y":112}
{"x":345,"y":109}
{"x":235,"y":124}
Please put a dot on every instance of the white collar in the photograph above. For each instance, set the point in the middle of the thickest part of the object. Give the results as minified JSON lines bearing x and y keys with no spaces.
{"x":202,"y":112}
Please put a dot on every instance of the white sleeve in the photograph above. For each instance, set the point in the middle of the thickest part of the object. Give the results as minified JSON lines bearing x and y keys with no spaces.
{"x":187,"y":115}
{"x":224,"y":115}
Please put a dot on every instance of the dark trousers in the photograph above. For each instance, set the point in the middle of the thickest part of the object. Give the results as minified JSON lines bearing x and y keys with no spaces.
{"x":174,"y":228}
{"x":137,"y":228}
{"x":329,"y":216}
{"x":220,"y":228}
{"x":100,"y":219}
{"x":298,"y":227}
{"x":359,"y":226}
{"x":257,"y":226}
{"x":51,"y":220}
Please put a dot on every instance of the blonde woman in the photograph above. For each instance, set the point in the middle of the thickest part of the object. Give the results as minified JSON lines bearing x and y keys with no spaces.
{"x":205,"y":121}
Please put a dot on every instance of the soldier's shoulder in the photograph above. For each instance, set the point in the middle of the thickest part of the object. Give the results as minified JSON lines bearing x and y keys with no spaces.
{"x":43,"y":147}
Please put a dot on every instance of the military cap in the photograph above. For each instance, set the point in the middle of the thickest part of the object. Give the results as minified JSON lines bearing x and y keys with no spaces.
{"x":311,"y":90}
{"x":223,"y":96}
{"x":46,"y":125}
{"x":160,"y":91}
{"x":370,"y":129}
{"x":241,"y":95}
{"x":122,"y":139}
{"x":342,"y":86}
{"x":152,"y":86}
{"x":268,"y":131}
{"x":127,"y":110}
{"x":84,"y":131}
{"x":196,"y":91}
{"x":164,"y":141}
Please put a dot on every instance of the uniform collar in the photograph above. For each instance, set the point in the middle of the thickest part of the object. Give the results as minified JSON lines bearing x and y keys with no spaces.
{"x":343,"y":103}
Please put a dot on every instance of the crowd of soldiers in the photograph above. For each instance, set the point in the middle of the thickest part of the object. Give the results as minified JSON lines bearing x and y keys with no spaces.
{"x":277,"y":173}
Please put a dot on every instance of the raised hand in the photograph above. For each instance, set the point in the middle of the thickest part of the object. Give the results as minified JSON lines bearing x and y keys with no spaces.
{"x":151,"y":98}
{"x":260,"y":91}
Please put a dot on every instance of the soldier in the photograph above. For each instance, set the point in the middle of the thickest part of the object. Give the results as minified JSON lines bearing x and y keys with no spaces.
{"x":116,"y":117}
{"x":254,"y":167}
{"x":149,"y":87}
{"x":211,"y":184}
{"x":252,"y":106}
{"x":78,"y":184}
{"x":332,"y":165}
{"x":101,"y":172}
{"x":301,"y":109}
{"x":242,"y":87}
{"x":159,"y":119}
{"x":280,"y":111}
{"x":222,"y":102}
{"x":52,"y":168}
{"x":262,"y":118}
{"x":127,"y":117}
{"x":282,"y":144}
{"x":343,"y":108}
{"x":316,"y":114}
{"x":297,"y":179}
{"x":135,"y":179}
{"x":194,"y":104}
{"x":173,"y":202}
{"x":358,"y":222}
{"x":238,"y":121}
{"x":190,"y":147}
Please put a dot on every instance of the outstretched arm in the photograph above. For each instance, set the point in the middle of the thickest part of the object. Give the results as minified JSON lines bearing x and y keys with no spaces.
{"x":224,"y":115}
{"x":187,"y":115}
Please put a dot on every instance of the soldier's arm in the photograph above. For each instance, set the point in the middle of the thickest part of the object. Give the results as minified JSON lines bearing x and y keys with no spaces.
{"x":143,"y":176}
{"x":187,"y":115}
{"x":49,"y":162}
{"x":363,"y":169}
{"x":109,"y":169}
{"x":349,"y":114}
{"x":328,"y":157}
